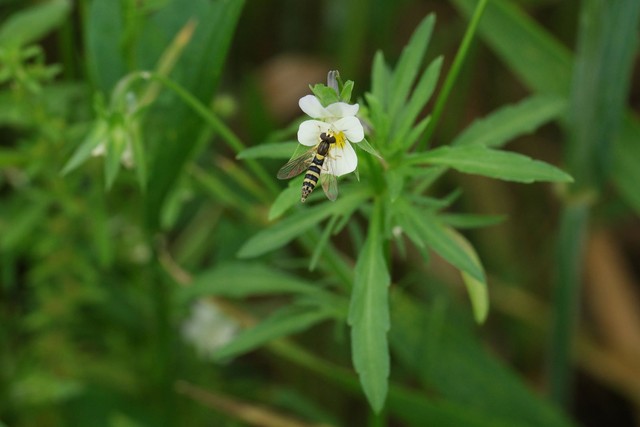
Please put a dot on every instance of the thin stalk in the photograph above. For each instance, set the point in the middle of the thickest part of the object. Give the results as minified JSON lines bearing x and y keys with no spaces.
{"x":205,"y":113}
{"x":452,"y":76}
{"x":569,"y":254}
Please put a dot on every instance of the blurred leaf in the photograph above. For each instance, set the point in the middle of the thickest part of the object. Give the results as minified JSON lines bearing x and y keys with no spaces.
{"x":511,"y":121}
{"x":198,"y":71}
{"x":21,"y":225}
{"x":9,"y":157}
{"x":276,"y":150}
{"x":380,"y":76}
{"x":30,"y":25}
{"x":240,"y":280}
{"x":285,"y":321}
{"x":607,"y":47}
{"x":524,"y":44}
{"x":451,"y":361}
{"x":471,"y":220}
{"x":409,"y":64}
{"x":478,"y":290}
{"x":417,"y":411}
{"x":103,"y":35}
{"x":116,"y":145}
{"x":283,"y":232}
{"x":479,"y":160}
{"x":369,"y":316}
{"x":98,"y":135}
{"x":626,"y":162}
{"x":139,"y":156}
{"x":287,"y":198}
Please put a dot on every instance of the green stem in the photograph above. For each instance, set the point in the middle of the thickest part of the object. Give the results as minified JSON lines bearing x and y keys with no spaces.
{"x":452,"y":76}
{"x":569,"y":253}
{"x":205,"y":113}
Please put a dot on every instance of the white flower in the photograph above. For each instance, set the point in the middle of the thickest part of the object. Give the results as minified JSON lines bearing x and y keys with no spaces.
{"x":208,"y":328}
{"x":338,"y":119}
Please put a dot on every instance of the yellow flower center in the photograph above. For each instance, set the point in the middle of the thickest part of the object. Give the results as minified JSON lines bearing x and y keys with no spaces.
{"x":340,"y":138}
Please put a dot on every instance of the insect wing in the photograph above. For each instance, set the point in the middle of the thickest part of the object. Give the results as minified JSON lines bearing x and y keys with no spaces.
{"x":296,"y":165}
{"x":330,"y":186}
{"x":328,"y":180}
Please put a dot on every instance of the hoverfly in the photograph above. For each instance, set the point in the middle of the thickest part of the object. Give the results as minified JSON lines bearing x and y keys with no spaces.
{"x":313,"y":161}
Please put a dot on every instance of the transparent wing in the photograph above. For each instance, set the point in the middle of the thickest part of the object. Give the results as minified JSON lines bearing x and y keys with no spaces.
{"x":330,"y":186}
{"x":297,"y":165}
{"x":328,"y":180}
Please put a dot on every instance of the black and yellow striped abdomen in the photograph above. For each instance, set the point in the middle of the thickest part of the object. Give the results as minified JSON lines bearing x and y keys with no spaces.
{"x":312,"y":176}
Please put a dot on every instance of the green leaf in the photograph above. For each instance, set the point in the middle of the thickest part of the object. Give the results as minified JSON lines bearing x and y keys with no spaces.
{"x":478,"y":290}
{"x":430,"y":340}
{"x":626,"y":162}
{"x":140,"y":159}
{"x":607,"y":48}
{"x":288,"y":198}
{"x":524,"y":44}
{"x":97,"y":135}
{"x":479,"y":160}
{"x":276,"y":150}
{"x":380,"y":80}
{"x":21,"y":225}
{"x":30,"y":25}
{"x":116,"y":144}
{"x":428,"y":227}
{"x":364,"y":144}
{"x":369,"y":316}
{"x":418,"y":100}
{"x":240,"y":280}
{"x":283,"y":232}
{"x":471,"y":220}
{"x":409,"y":64}
{"x":321,"y":243}
{"x":512,"y":121}
{"x":345,"y":92}
{"x":105,"y":62}
{"x":198,"y":71}
{"x":286,"y":321}
{"x":325,"y":94}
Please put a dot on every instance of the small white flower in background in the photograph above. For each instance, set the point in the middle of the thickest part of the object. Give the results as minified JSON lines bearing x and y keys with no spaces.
{"x":340,"y":120}
{"x":208,"y":328}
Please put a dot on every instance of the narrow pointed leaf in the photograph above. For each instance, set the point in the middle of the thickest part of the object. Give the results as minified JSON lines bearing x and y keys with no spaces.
{"x":512,"y":121}
{"x":283,"y":232}
{"x":369,"y":317}
{"x":240,"y":280}
{"x":479,"y":160}
{"x":286,"y":321}
{"x":438,"y":237}
{"x":409,"y":64}
{"x":31,"y":24}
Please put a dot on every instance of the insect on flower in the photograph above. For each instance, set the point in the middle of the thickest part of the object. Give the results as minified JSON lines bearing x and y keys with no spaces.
{"x":314,"y":161}
{"x":329,"y":135}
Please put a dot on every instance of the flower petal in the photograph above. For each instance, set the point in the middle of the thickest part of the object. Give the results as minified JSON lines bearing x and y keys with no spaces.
{"x":310,"y":130}
{"x":342,"y":160}
{"x":351,"y":127}
{"x":312,"y":107}
{"x":342,"y":109}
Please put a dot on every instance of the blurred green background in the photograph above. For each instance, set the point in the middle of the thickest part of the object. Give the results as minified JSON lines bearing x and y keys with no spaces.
{"x":94,"y":325}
